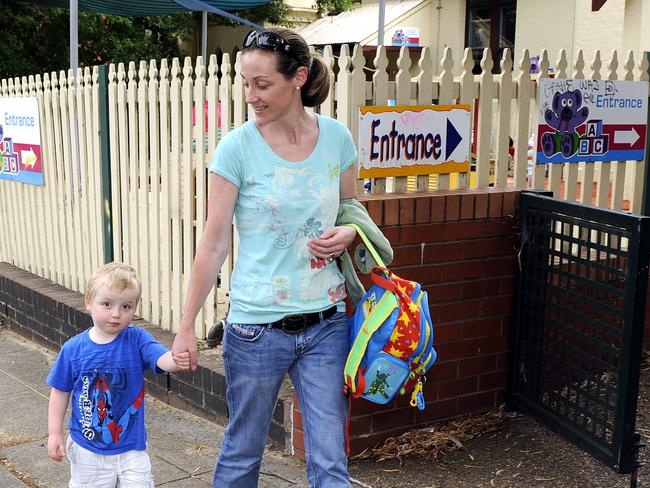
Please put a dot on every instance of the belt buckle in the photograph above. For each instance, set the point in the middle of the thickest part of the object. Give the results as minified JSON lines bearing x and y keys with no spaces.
{"x":294,"y":323}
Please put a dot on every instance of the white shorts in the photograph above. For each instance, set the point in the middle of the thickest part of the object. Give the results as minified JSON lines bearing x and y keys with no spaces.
{"x":131,"y":469}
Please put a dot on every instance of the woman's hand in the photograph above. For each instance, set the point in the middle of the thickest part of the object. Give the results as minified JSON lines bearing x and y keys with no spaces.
{"x":184,"y":343}
{"x":332,"y":242}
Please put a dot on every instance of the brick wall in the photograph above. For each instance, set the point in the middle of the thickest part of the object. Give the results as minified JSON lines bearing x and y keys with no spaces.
{"x":461,"y":247}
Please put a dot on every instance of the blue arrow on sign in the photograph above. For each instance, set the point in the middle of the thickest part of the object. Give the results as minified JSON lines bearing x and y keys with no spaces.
{"x":453,"y":139}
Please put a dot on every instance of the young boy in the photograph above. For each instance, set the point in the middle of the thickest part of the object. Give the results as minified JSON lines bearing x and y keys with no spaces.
{"x":104,"y":369}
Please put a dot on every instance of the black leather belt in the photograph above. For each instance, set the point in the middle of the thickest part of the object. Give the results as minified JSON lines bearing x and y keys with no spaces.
{"x":297,"y":322}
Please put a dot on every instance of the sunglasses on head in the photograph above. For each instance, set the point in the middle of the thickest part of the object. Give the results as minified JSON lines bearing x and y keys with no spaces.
{"x":267,"y":40}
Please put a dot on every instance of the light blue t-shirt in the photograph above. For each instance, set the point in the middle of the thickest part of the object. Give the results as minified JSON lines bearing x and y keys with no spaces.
{"x":280,"y":207}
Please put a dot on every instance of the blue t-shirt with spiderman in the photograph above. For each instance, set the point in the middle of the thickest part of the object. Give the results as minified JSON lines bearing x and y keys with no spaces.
{"x":107,"y":385}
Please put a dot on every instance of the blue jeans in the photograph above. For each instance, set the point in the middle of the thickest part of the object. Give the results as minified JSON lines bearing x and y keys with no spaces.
{"x":256,"y":360}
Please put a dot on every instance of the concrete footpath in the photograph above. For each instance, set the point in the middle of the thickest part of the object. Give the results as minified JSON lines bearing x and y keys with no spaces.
{"x":183,"y":447}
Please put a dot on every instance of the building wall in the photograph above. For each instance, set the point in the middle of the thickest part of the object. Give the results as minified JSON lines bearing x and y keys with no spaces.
{"x":441,"y":23}
{"x":552,"y":25}
{"x":302,"y":4}
{"x":599,"y":30}
{"x":418,"y":17}
{"x":303,"y":12}
{"x":637,"y":15}
{"x":557,"y":24}
{"x":644,"y":20}
{"x":449,"y":22}
{"x":632,"y":24}
{"x":539,"y":26}
{"x":228,"y":39}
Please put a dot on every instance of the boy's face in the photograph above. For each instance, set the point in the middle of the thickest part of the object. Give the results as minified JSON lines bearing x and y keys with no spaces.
{"x":112,"y":310}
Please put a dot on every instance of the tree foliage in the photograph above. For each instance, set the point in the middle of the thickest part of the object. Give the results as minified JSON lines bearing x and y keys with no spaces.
{"x":35,"y":39}
{"x":335,"y":7}
{"x":106,"y":38}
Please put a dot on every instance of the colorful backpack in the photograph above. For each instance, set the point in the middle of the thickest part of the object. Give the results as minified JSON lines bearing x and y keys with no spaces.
{"x":391,"y":337}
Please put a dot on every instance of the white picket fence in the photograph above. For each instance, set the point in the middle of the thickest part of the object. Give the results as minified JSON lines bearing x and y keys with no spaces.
{"x":160,"y":149}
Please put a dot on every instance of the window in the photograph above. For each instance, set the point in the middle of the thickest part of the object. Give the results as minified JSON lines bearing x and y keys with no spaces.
{"x":491,"y":24}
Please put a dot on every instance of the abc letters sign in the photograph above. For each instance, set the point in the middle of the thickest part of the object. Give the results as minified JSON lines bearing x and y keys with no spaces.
{"x":591,"y":120}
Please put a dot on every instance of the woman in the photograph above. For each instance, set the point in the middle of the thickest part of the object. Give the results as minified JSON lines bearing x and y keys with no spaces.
{"x":282,"y":174}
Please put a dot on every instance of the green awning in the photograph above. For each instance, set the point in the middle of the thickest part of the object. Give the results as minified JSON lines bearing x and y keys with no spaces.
{"x":150,"y":7}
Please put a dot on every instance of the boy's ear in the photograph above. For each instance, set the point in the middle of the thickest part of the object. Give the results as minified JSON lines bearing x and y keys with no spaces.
{"x":87,"y":304}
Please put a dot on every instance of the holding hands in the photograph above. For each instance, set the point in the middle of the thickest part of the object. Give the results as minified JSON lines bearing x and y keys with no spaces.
{"x":184,"y":350}
{"x":182,"y":360}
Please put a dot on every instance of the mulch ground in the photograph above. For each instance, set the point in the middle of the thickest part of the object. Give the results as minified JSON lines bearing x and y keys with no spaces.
{"x":498,"y":449}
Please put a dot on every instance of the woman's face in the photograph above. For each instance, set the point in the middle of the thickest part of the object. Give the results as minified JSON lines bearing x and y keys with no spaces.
{"x":268,"y":92}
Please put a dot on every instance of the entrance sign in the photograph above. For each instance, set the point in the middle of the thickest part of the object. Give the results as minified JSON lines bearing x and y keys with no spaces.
{"x":591,"y":120}
{"x":413,"y":140}
{"x":20,"y":140}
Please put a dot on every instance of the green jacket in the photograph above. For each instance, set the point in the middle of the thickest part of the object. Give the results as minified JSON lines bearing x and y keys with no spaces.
{"x":352,"y":212}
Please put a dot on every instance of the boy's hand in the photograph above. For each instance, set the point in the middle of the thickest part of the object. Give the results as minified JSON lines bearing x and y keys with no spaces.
{"x":182,"y":360}
{"x":55,"y":447}
{"x":55,"y":413}
{"x":185,"y":341}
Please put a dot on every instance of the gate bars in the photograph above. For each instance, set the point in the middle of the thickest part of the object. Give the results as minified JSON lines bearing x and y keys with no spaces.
{"x":579,"y":323}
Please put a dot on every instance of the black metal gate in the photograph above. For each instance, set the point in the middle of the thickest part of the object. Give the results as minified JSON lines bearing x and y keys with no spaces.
{"x":579,"y":323}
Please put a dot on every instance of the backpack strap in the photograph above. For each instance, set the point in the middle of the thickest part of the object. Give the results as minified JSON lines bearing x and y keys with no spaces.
{"x":380,"y":312}
{"x":369,"y":246}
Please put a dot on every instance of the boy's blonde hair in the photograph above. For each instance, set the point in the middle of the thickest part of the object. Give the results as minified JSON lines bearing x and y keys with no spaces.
{"x":113,"y":275}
